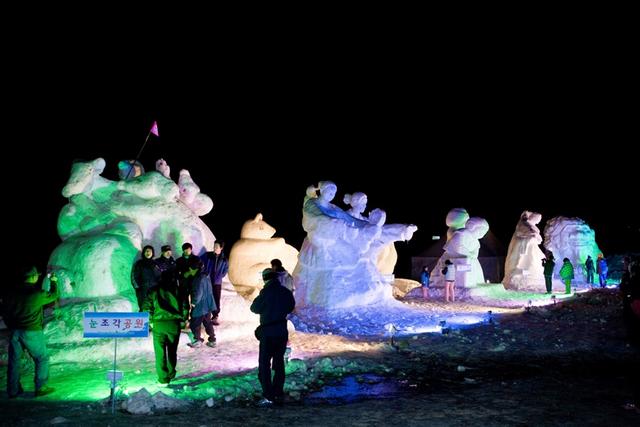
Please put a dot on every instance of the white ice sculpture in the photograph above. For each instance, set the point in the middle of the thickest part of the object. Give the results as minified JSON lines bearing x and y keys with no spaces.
{"x":191,"y":196}
{"x":455,"y":220}
{"x":337,"y":263}
{"x":106,"y":223}
{"x":163,"y":168}
{"x":523,"y":268}
{"x":387,"y":256}
{"x":254,"y":252}
{"x":463,"y":249}
{"x":571,"y":238}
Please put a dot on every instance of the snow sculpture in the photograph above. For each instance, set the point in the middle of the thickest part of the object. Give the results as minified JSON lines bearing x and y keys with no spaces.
{"x":254,"y":252}
{"x":571,"y":238}
{"x":337,"y":263}
{"x":163,"y":168}
{"x":191,"y":196}
{"x":463,"y":249}
{"x":523,"y":268}
{"x":456,"y":219}
{"x":106,"y":223}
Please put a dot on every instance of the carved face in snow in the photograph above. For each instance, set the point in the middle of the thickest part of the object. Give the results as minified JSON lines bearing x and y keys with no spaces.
{"x":572,"y":238}
{"x":328,"y":191}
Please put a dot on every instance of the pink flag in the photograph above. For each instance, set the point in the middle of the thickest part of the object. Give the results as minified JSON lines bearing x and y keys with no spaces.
{"x":154,"y":129}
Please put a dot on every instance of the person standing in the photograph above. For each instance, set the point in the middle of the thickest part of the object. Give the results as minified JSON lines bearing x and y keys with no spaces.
{"x":566,"y":273}
{"x":23,"y":314}
{"x":549,"y":264}
{"x":216,"y":267}
{"x":449,"y":272}
{"x":168,"y":311}
{"x":145,"y":275}
{"x":273,"y":304}
{"x":603,"y":270}
{"x":590,"y":269}
{"x":424,"y":281}
{"x":202,"y":303}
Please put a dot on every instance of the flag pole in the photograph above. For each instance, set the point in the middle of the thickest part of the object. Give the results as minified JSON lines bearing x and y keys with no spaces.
{"x":132,"y":165}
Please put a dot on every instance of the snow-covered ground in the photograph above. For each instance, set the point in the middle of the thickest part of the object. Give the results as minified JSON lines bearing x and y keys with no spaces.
{"x":321,"y":347}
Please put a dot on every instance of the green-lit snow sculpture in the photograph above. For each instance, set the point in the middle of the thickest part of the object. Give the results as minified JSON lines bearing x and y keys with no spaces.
{"x":106,"y":223}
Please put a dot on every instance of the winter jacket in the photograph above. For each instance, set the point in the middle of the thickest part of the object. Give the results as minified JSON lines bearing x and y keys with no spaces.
{"x":602,"y":266}
{"x":165,"y":302}
{"x":202,"y":296}
{"x":145,"y":274}
{"x":23,"y":307}
{"x":450,"y":275}
{"x":216,"y":266}
{"x":566,"y":271}
{"x":549,"y":265}
{"x":273,"y":304}
{"x":424,"y":278}
{"x":589,"y":264}
{"x":167,"y":268}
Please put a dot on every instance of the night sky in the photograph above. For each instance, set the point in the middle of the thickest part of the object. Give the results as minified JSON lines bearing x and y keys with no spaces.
{"x":495,"y":144}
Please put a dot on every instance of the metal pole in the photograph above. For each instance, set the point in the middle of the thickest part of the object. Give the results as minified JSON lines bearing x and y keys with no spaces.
{"x":132,"y":165}
{"x":113,"y":378}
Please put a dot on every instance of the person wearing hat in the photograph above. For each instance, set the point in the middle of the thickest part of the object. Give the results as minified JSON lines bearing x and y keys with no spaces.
{"x":23,"y":315}
{"x":167,"y":265}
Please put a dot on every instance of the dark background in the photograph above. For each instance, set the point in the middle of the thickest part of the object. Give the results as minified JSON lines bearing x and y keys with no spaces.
{"x":494,"y":133}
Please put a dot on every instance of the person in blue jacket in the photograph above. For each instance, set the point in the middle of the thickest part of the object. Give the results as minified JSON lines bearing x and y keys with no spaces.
{"x":424,"y":281}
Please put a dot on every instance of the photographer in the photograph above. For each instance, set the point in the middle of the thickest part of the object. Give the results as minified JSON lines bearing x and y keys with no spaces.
{"x":23,"y":315}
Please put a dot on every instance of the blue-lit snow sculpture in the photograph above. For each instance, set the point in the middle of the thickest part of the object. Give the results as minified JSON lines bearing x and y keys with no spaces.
{"x":337,"y":263}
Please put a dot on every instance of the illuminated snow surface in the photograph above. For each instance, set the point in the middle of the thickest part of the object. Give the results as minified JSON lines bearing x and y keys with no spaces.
{"x":228,"y":372}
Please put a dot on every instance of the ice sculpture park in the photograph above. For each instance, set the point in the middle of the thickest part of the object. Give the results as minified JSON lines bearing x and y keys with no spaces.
{"x":342,"y":275}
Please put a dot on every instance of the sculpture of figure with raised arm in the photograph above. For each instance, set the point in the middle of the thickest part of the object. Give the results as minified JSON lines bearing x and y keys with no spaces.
{"x":337,"y":262}
{"x":383,"y":248}
{"x":523,"y":269}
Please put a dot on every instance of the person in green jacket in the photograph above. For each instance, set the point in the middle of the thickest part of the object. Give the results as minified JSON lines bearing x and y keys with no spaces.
{"x":566,"y":273}
{"x":23,"y":315}
{"x":168,"y":310}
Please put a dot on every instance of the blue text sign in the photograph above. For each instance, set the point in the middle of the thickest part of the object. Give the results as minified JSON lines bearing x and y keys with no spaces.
{"x":116,"y":325}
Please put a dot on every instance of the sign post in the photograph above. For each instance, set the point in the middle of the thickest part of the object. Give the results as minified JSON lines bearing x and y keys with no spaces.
{"x":115,"y":325}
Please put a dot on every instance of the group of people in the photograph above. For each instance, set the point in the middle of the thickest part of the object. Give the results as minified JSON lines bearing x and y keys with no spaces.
{"x":567,"y":271}
{"x":172,"y":292}
{"x":601,"y":268}
{"x":176,"y":291}
{"x":449,"y":273}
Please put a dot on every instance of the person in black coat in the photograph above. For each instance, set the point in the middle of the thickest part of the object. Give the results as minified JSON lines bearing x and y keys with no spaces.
{"x":145,"y":275}
{"x":272,"y":304}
